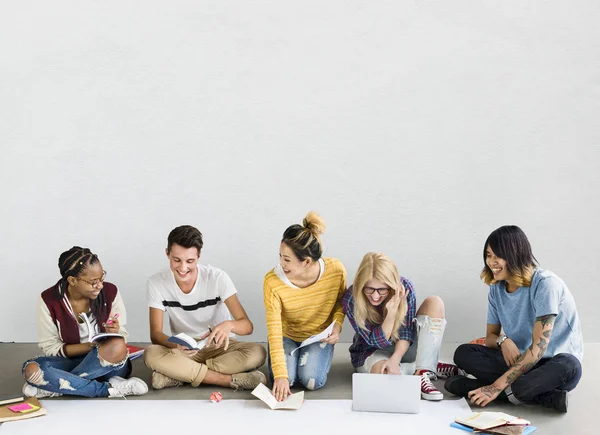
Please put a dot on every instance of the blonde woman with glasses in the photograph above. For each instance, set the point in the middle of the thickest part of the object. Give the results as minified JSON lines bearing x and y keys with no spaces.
{"x":393,"y":336}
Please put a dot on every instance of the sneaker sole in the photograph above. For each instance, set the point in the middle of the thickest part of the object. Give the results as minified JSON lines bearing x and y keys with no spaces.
{"x":432,"y":397}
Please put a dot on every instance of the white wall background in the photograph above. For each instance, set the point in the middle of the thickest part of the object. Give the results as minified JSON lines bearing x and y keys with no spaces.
{"x":414,"y":127}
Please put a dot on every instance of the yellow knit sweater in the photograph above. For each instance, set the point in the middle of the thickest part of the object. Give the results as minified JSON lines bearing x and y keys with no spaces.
{"x":298,"y":313}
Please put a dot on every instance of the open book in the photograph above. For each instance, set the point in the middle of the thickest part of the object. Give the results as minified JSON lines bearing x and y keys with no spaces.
{"x":187,"y":341}
{"x":292,"y":402}
{"x":315,"y":338}
{"x":95,"y":337}
{"x":487,"y":420}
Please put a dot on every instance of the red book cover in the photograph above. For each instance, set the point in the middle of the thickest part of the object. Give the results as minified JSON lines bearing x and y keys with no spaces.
{"x":134,"y":352}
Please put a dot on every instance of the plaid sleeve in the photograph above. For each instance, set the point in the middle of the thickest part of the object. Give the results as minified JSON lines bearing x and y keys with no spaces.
{"x":407,"y":330}
{"x":374,"y":337}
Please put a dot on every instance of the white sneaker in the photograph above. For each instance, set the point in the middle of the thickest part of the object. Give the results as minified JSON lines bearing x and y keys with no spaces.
{"x":31,"y":391}
{"x":120,"y":387}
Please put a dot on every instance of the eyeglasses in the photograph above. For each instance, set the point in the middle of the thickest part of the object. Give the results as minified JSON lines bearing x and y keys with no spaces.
{"x":381,"y":291}
{"x":95,"y":282}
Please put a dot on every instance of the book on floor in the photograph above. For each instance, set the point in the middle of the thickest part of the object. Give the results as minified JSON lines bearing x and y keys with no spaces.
{"x":187,"y":341}
{"x":8,"y":415}
{"x":487,"y":420}
{"x":11,"y":398}
{"x":293,"y":401}
{"x":500,"y":430}
{"x":135,"y":352}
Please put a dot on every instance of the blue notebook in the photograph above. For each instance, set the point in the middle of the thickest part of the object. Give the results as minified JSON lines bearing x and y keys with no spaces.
{"x":527,"y":430}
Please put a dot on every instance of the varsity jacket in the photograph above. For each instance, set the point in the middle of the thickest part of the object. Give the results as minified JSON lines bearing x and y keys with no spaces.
{"x":57,"y":325}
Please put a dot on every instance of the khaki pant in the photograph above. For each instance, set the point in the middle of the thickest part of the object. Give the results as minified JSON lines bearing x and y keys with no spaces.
{"x":239,"y":357}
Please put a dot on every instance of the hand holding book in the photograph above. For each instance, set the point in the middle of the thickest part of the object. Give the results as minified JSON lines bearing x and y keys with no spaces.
{"x":188,"y":344}
{"x":292,"y":402}
{"x":114,"y":332}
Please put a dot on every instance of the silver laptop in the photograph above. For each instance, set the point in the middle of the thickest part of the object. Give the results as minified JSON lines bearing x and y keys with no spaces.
{"x":386,"y":393}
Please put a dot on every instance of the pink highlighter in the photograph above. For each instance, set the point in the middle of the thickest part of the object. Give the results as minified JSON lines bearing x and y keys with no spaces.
{"x":110,"y":321}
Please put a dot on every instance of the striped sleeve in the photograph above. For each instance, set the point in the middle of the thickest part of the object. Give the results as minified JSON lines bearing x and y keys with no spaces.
{"x":407,"y":330}
{"x":274,"y":332}
{"x":374,"y":337}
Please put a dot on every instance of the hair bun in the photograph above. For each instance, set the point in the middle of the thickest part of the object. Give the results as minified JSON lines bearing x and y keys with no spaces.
{"x":314,"y":223}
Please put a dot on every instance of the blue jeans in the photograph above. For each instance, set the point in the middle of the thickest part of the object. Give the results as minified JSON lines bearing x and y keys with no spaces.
{"x":560,"y":372}
{"x":309,"y":365}
{"x":80,"y":376}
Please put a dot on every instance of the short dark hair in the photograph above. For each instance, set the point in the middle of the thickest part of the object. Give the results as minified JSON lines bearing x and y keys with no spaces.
{"x":511,"y":244}
{"x":186,"y":236}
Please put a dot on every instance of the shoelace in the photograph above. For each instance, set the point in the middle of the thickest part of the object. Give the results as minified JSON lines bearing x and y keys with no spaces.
{"x":446,"y":370}
{"x":426,"y":384}
{"x":119,"y":394}
{"x":129,"y":389}
{"x":170,"y":381}
{"x":429,"y":375}
{"x":46,"y":394}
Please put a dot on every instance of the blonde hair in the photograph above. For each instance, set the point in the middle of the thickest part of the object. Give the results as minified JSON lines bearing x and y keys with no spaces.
{"x":305,"y":240}
{"x":377,"y":266}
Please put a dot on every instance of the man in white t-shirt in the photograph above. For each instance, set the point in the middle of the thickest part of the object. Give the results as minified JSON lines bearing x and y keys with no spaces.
{"x":200,"y":301}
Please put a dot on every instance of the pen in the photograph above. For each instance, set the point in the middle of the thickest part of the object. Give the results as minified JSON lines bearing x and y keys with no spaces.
{"x":110,"y":321}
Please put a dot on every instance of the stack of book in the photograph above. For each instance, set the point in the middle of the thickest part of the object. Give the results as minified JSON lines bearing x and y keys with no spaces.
{"x":15,"y":407}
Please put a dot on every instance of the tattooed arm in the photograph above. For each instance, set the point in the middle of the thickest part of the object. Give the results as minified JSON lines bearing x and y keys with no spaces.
{"x":542,"y":331}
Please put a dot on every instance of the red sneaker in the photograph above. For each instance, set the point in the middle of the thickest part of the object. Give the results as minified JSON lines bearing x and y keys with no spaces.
{"x":445,"y":371}
{"x":428,"y":390}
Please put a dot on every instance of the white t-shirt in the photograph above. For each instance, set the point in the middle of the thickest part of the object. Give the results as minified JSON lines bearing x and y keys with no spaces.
{"x":281,"y":274}
{"x":195,"y":312}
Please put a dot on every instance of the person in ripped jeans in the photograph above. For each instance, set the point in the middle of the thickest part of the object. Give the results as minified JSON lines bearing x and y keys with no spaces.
{"x":393,"y":336}
{"x":73,"y":365}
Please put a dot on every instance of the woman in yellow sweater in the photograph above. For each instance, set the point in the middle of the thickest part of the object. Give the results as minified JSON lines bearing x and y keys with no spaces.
{"x":302,"y":298}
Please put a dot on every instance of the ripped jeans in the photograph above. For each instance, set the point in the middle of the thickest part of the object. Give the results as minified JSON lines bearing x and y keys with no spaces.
{"x":423,"y":353}
{"x":80,"y":376}
{"x":309,"y":365}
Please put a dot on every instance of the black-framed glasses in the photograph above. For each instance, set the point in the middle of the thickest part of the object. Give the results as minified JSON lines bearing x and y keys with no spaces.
{"x":381,"y":291}
{"x":95,"y":282}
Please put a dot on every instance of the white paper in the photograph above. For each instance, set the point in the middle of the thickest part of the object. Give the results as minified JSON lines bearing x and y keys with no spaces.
{"x":315,"y":338}
{"x":293,"y":401}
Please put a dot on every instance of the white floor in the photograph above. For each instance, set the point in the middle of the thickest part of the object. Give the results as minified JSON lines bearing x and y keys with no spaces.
{"x":580,"y":419}
{"x":232,"y":417}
